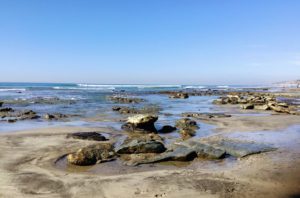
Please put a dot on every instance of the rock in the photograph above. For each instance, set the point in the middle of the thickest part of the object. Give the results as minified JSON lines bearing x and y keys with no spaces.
{"x":205,"y":115}
{"x":248,"y":106}
{"x":27,"y":115}
{"x":179,"y":95}
{"x":262,"y":107}
{"x":87,"y":136}
{"x":12,"y":120}
{"x":167,"y":129}
{"x":1,"y":103}
{"x":141,"y":123}
{"x":186,"y":123}
{"x":179,"y":153}
{"x":239,"y":148}
{"x":131,"y":110}
{"x":187,"y":127}
{"x":7,"y":109}
{"x":138,"y":146}
{"x":18,"y":115}
{"x":204,"y":150}
{"x":120,"y":99}
{"x":277,"y":108}
{"x":56,"y":116}
{"x":219,"y":101}
{"x":187,"y":133}
{"x":92,"y":154}
{"x":40,"y":100}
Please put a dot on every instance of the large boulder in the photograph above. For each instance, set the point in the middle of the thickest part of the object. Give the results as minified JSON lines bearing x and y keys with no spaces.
{"x":141,"y":123}
{"x":92,"y":154}
{"x":87,"y":136}
{"x":141,"y":143}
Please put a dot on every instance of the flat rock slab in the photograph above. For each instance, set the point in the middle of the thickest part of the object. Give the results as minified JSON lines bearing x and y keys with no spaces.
{"x":239,"y":148}
{"x":180,"y":153}
{"x":87,"y":136}
{"x":205,"y":115}
{"x":204,"y":150}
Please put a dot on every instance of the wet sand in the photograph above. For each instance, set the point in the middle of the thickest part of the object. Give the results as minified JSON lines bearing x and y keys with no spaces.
{"x":28,"y":168}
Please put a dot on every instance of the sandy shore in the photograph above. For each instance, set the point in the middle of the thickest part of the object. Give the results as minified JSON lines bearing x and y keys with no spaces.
{"x":27,"y":167}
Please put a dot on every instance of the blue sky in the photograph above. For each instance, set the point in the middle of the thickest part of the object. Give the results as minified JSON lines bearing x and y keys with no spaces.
{"x":150,"y":41}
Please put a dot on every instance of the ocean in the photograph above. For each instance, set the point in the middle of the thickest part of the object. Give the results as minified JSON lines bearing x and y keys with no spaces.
{"x":84,"y":101}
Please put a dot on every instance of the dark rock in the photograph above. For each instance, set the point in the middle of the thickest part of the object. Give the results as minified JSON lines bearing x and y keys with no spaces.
{"x":87,"y":136}
{"x":136,"y":146}
{"x":140,"y":123}
{"x":92,"y":154}
{"x":167,"y":129}
{"x":1,"y":103}
{"x":7,"y":109}
{"x":27,"y":115}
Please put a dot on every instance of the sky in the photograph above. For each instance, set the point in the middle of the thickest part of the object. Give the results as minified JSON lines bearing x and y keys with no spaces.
{"x":150,"y":41}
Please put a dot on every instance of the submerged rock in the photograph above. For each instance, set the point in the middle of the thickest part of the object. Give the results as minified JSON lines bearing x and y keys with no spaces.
{"x":14,"y":115}
{"x":27,"y":115}
{"x":56,"y":116}
{"x":92,"y":154}
{"x":87,"y":136}
{"x":186,"y":123}
{"x":40,"y":100}
{"x":187,"y":127}
{"x":167,"y":129}
{"x":205,"y":115}
{"x":132,"y":110}
{"x":140,"y":123}
{"x":121,"y":99}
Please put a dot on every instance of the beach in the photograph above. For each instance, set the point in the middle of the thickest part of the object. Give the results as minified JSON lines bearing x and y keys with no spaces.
{"x":35,"y":146}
